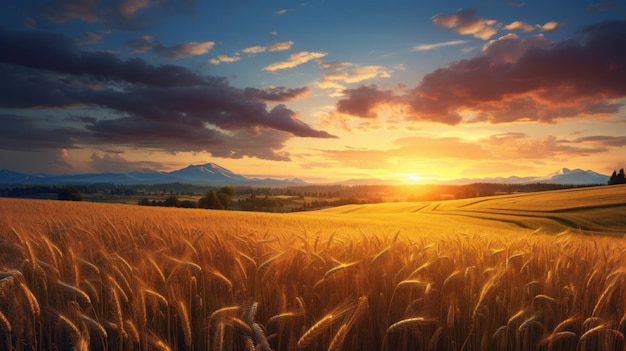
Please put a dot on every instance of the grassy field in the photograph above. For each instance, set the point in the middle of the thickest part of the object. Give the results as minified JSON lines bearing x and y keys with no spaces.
{"x":517,"y":272}
{"x":589,"y":210}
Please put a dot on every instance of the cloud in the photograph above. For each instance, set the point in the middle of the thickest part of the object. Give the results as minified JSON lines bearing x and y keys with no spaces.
{"x":465,"y":22}
{"x":607,"y":141}
{"x":549,"y":26}
{"x":61,"y":11}
{"x":529,"y":79}
{"x":129,"y":8}
{"x":277,"y":94}
{"x":23,"y":49}
{"x":123,"y":14}
{"x":496,"y":148}
{"x":91,"y":38}
{"x":148,"y":43}
{"x":163,"y":107}
{"x":285,"y":45}
{"x":427,"y":47}
{"x":193,"y":48}
{"x":215,"y":104}
{"x":295,"y":60}
{"x":141,"y":45}
{"x":254,"y":50}
{"x":54,"y":161}
{"x":224,"y":58}
{"x":507,"y":146}
{"x":364,"y":101}
{"x":600,"y":7}
{"x":509,"y":48}
{"x":280,"y":12}
{"x":351,"y":74}
{"x":334,"y":65}
{"x":22,"y":133}
{"x":281,"y":46}
{"x":113,"y":162}
{"x":519,"y":25}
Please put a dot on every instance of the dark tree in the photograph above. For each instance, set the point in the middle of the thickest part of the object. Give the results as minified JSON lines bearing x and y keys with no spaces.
{"x":227,"y":191}
{"x":224,"y":200}
{"x":613,"y":178}
{"x":617,"y":178}
{"x":210,"y":201}
{"x":171,"y":201}
{"x":70,"y":194}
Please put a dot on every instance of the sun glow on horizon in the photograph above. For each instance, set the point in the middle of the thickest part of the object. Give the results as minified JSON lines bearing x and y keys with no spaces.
{"x":414,"y":178}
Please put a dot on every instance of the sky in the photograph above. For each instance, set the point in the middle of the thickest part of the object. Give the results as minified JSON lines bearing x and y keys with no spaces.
{"x":319,"y":90}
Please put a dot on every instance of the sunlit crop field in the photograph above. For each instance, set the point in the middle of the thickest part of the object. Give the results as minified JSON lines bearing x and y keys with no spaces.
{"x":520,"y":272}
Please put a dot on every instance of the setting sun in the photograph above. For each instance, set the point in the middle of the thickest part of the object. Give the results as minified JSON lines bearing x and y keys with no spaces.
{"x":414,"y":178}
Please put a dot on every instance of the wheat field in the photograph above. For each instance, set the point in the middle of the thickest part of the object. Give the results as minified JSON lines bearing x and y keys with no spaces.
{"x":519,"y":272}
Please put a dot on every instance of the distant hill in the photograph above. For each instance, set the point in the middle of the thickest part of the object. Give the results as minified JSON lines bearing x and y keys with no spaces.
{"x":562,"y":176}
{"x":207,"y":174}
{"x":214,"y":174}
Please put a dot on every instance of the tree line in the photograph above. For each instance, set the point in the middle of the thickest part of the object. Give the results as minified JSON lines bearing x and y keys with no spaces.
{"x":617,"y":178}
{"x":220,"y":200}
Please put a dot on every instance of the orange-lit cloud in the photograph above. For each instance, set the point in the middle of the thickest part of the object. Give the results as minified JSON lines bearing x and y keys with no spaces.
{"x":364,"y":101}
{"x":257,"y":49}
{"x":509,"y":48}
{"x":295,"y":60}
{"x":494,"y":149}
{"x":354,"y":74}
{"x":282,"y":46}
{"x":465,"y":22}
{"x":520,"y":25}
{"x":224,"y":59}
{"x":427,"y":47}
{"x":529,"y":79}
{"x":548,"y":26}
{"x":254,"y":49}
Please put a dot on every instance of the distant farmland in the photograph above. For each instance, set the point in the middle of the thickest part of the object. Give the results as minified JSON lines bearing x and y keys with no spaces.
{"x":520,"y":272}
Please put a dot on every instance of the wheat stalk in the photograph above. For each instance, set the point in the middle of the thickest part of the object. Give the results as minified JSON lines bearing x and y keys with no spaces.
{"x":218,"y":338}
{"x":318,"y":328}
{"x":410,"y":323}
{"x":184,"y":318}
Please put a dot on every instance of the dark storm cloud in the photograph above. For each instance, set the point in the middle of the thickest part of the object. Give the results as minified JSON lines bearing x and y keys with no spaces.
{"x":277,"y":94}
{"x":165,"y":106}
{"x":59,"y":54}
{"x":519,"y":79}
{"x":154,"y":134}
{"x":125,"y":14}
{"x":216,"y":104}
{"x":147,"y":43}
{"x":22,"y":133}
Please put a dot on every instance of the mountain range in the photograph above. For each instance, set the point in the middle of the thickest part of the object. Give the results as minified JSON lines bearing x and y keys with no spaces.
{"x":213,"y":174}
{"x":562,"y":176}
{"x":207,"y":174}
